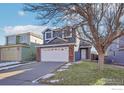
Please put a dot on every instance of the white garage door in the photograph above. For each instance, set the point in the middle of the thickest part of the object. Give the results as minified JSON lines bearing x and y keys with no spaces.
{"x":56,"y":54}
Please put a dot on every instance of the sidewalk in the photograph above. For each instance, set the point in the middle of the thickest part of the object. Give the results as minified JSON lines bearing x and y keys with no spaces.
{"x":2,"y":64}
{"x":10,"y":65}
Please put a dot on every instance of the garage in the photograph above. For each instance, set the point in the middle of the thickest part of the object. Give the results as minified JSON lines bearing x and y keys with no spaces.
{"x":55,"y":54}
{"x":10,"y":54}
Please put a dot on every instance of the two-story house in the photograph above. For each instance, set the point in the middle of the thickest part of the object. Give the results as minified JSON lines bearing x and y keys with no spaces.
{"x":115,"y":52}
{"x":20,"y":47}
{"x":62,"y":45}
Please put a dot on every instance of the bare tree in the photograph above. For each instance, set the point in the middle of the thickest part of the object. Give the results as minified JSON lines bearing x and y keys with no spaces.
{"x":101,"y":23}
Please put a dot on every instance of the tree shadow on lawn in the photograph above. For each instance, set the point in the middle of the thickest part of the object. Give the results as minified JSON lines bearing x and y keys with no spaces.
{"x":87,"y":73}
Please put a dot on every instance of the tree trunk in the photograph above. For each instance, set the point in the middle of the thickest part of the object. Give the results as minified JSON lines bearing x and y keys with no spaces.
{"x":101,"y":57}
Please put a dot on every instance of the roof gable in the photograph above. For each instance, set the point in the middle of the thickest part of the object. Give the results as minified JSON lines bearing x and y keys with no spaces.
{"x":46,"y":30}
{"x":57,"y":40}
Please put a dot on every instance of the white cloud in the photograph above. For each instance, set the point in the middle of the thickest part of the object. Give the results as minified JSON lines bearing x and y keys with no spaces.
{"x":1,"y":28}
{"x":21,"y":13}
{"x":10,"y":30}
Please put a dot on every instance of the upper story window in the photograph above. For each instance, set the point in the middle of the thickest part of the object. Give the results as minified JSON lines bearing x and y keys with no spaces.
{"x":11,"y":39}
{"x":17,"y":39}
{"x":23,"y":39}
{"x":67,"y":33}
{"x":48,"y":35}
{"x":58,"y":34}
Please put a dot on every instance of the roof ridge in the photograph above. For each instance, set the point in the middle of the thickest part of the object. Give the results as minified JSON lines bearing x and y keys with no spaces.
{"x":31,"y":33}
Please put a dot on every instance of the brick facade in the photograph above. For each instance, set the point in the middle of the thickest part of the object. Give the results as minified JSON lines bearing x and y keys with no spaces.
{"x":71,"y":53}
{"x":38,"y":54}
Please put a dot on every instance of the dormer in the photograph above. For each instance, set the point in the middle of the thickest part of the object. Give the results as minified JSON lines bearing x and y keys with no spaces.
{"x":48,"y":35}
{"x":67,"y":33}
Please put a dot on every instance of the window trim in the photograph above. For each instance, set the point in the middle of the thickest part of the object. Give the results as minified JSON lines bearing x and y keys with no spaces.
{"x":51,"y":35}
{"x":63,"y":36}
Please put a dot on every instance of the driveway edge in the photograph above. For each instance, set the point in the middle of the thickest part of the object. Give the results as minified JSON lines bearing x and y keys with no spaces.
{"x":36,"y":80}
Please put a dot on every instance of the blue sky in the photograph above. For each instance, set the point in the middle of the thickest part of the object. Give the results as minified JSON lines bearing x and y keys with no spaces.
{"x":14,"y":20}
{"x":13,"y":15}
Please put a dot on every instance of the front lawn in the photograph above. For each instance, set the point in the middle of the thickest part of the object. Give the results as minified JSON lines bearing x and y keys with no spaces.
{"x":86,"y":73}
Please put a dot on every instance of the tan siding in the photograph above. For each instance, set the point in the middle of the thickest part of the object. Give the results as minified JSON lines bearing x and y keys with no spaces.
{"x":11,"y":54}
{"x":35,"y":40}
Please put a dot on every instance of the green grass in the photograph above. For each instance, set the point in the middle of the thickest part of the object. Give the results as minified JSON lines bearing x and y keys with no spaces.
{"x":86,"y":73}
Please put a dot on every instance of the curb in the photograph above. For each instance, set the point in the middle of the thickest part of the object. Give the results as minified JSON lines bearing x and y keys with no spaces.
{"x":36,"y":80}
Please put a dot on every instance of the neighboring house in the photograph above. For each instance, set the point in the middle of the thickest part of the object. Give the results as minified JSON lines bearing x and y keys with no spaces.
{"x":20,"y":47}
{"x":115,"y":52}
{"x":61,"y":45}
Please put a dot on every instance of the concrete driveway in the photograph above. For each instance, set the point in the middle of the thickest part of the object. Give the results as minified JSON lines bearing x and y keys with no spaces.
{"x":24,"y":75}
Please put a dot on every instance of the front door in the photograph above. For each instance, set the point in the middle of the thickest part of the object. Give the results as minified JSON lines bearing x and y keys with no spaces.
{"x":83,"y":54}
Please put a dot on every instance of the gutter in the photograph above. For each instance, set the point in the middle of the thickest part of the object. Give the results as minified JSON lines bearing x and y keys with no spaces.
{"x":56,"y":45}
{"x":15,"y":45}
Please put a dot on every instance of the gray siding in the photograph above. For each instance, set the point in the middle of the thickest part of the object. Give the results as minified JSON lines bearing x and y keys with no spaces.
{"x":113,"y":47}
{"x":61,"y":35}
{"x":57,"y":34}
{"x":121,"y":41}
{"x":114,"y":54}
{"x":118,"y":58}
